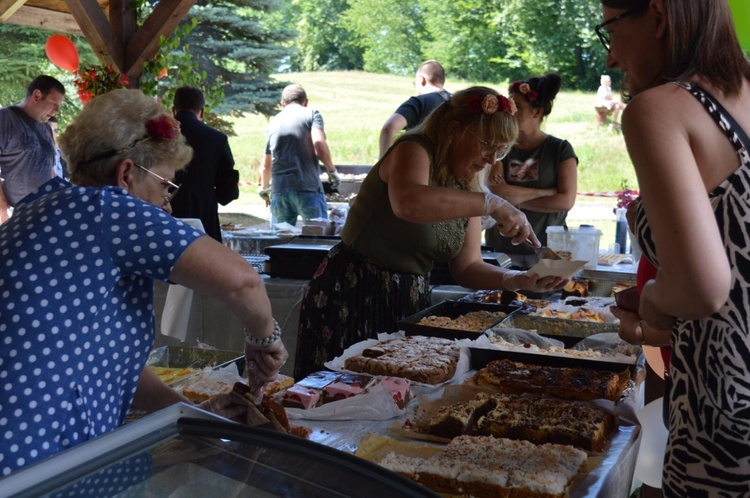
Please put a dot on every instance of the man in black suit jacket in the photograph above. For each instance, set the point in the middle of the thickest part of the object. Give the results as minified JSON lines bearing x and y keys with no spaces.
{"x":210,"y":178}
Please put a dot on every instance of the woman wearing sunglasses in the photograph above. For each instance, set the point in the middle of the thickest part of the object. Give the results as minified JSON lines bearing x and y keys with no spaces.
{"x":540,"y":174}
{"x":78,"y":265}
{"x":686,"y":132}
{"x":422,"y":202}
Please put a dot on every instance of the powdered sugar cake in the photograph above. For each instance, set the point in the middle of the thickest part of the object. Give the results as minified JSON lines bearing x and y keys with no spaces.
{"x":429,"y":360}
{"x":485,"y":466}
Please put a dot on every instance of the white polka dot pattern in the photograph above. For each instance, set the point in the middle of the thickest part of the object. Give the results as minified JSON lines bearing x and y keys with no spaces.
{"x":76,"y":313}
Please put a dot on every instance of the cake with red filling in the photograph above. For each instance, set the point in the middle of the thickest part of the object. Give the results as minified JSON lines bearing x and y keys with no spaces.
{"x":340,"y":390}
{"x":399,"y":389}
{"x":300,"y":397}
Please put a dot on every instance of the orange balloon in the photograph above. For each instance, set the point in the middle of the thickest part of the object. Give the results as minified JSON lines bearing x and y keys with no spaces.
{"x":62,"y":52}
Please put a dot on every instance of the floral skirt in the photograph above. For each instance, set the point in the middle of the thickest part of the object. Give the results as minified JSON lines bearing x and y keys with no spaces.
{"x":348,"y":300}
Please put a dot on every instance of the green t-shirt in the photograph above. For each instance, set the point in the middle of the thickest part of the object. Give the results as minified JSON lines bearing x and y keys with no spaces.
{"x":373,"y":230}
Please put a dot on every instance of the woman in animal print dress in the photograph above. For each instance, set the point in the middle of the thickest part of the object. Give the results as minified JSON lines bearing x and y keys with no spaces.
{"x":687,"y":77}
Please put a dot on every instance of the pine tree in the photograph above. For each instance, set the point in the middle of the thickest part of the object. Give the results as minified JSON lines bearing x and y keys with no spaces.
{"x":236,"y":43}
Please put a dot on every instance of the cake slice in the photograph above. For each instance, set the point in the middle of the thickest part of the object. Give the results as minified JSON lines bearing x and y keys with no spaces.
{"x":300,"y":397}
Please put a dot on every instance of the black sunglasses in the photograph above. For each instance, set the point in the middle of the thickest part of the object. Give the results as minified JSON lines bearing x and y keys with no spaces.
{"x":604,"y":34}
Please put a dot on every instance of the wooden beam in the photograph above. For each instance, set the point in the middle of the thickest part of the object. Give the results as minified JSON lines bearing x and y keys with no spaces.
{"x":9,"y":7}
{"x":99,"y":33}
{"x":49,"y":20}
{"x":162,"y":21}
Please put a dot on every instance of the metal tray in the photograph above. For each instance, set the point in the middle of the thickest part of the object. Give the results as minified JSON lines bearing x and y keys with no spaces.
{"x":570,"y":332}
{"x":480,"y":358}
{"x":452,"y":309}
{"x":198,"y":358}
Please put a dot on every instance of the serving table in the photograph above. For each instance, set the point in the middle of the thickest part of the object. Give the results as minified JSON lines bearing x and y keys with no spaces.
{"x":612,"y":478}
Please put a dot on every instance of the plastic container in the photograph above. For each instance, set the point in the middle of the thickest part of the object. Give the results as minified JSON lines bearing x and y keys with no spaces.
{"x":576,"y":244}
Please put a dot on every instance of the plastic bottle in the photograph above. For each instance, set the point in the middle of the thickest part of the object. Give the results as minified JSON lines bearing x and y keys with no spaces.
{"x":621,"y":231}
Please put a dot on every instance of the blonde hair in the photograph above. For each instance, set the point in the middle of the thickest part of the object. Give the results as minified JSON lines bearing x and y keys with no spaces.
{"x":113,"y":127}
{"x":497,"y":127}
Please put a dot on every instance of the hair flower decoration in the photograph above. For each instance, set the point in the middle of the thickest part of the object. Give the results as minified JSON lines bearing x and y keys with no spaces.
{"x":524,"y":89}
{"x":490,"y":104}
{"x":507,"y":105}
{"x":164,"y":127}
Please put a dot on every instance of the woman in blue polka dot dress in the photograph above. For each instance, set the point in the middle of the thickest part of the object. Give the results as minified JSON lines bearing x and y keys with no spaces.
{"x":77,"y":265}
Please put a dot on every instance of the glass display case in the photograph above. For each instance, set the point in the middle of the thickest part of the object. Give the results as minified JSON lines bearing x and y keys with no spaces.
{"x":183,"y":451}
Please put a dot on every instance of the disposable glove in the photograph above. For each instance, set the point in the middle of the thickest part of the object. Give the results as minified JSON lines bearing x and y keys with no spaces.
{"x":265,"y":194}
{"x":334,"y":179}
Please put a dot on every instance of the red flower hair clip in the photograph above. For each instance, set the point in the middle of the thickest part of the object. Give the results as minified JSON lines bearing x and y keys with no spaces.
{"x":524,"y":89}
{"x":490,"y":104}
{"x":164,"y":127}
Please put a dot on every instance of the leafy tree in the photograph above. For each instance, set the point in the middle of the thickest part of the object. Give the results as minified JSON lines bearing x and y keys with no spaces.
{"x":554,"y":35}
{"x":323,"y":43}
{"x":229,"y":49}
{"x":390,"y":31}
{"x":466,"y":38}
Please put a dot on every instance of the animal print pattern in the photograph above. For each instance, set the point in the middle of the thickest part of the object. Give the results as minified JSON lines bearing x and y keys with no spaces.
{"x":708,"y":453}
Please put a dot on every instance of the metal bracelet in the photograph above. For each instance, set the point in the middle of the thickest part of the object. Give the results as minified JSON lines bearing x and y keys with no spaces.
{"x":267,"y":341}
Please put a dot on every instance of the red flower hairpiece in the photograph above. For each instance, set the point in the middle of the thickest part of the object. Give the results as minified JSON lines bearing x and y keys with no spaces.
{"x":163,"y":127}
{"x":524,"y":89}
{"x":490,"y":104}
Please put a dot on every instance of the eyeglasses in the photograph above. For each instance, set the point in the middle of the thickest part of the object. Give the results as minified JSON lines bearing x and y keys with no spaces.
{"x":603,"y":34}
{"x":489,"y":150}
{"x":169,"y":187}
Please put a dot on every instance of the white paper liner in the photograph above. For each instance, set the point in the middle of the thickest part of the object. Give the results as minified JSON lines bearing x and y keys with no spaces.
{"x":484,"y":342}
{"x":463,"y":365}
{"x":557,"y":268}
{"x":376,"y":404}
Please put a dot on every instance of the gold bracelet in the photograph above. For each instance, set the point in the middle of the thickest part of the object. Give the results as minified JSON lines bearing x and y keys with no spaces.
{"x":639,"y":333}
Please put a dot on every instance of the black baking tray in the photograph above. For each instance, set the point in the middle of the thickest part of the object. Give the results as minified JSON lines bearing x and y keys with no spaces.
{"x":480,"y":357}
{"x":451,"y":309}
{"x":569,"y":332}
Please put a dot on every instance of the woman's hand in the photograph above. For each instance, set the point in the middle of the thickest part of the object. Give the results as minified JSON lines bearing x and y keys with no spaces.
{"x":523,"y":280}
{"x":628,"y":323}
{"x":648,"y":335}
{"x":269,"y":359}
{"x":510,"y":221}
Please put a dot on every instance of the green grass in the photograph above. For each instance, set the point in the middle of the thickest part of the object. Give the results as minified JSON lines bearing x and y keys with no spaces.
{"x":355,"y":104}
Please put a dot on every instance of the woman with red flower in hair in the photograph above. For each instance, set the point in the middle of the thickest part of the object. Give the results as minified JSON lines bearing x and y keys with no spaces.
{"x":422,"y":202}
{"x":539,"y":174}
{"x":79,"y":261}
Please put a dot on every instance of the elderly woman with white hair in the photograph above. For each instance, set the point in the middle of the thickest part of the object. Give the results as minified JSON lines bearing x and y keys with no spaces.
{"x":76,"y":316}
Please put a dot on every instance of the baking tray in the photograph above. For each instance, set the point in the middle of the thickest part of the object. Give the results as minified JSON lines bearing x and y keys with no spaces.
{"x":198,"y":358}
{"x":570,"y":332}
{"x":452,"y":309}
{"x":480,"y":357}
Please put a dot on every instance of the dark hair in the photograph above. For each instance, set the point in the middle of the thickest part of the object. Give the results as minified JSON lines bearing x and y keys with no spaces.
{"x":701,"y":40}
{"x":44,"y":84}
{"x":433,"y":72}
{"x":545,"y":90}
{"x":189,"y":98}
{"x":293,"y":93}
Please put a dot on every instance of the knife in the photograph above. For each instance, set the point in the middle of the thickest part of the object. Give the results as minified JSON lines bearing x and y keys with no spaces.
{"x":256,"y":384}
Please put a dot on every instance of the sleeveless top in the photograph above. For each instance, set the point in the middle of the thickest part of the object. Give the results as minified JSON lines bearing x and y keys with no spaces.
{"x":372,"y":228}
{"x":709,"y":415}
